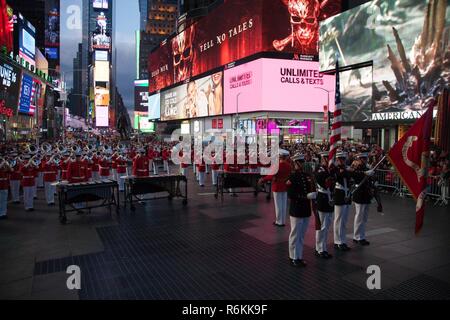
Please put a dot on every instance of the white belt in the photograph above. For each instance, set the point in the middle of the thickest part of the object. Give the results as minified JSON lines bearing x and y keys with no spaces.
{"x":142,"y":170}
{"x":327,"y":192}
{"x":3,"y":179}
{"x":343,"y":188}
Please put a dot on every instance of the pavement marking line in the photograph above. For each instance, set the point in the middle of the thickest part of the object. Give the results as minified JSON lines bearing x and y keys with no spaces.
{"x":375,"y":232}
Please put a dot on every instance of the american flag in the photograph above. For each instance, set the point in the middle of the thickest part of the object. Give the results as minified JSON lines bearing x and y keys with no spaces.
{"x":337,"y":121}
{"x":33,"y":100}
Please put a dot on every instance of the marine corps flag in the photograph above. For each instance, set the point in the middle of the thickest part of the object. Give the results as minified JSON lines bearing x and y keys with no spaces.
{"x":409,"y":156}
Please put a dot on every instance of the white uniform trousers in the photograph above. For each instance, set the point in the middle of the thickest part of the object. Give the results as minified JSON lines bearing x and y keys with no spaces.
{"x":35,"y":188}
{"x":183,"y":171}
{"x":214,"y":177}
{"x":155,"y":168}
{"x":15,"y":190}
{"x":95,"y":175}
{"x":58,"y":175}
{"x":28,"y":197}
{"x":326,"y":219}
{"x":114,"y":174}
{"x":3,"y":202}
{"x":201,"y":178}
{"x":340,"y":223}
{"x":49,"y":192}
{"x":280,"y":199}
{"x":40,"y":180}
{"x":166,"y":166}
{"x":361,"y":217}
{"x":121,"y":181}
{"x":299,"y":226}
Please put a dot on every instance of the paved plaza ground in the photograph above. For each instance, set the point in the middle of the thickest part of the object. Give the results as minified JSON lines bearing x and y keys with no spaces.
{"x":213,"y":250}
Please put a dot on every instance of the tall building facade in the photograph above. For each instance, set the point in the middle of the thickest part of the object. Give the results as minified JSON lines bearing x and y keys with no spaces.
{"x":143,"y":12}
{"x":95,"y":68}
{"x":161,"y":23}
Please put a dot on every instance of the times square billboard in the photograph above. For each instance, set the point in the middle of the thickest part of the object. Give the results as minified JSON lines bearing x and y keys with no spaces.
{"x":238,"y":29}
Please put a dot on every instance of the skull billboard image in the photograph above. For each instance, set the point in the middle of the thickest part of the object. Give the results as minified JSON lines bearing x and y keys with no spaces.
{"x":304,"y":22}
{"x":183,"y":54}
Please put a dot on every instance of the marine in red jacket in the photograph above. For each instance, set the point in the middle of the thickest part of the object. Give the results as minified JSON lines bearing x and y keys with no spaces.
{"x":76,"y":172}
{"x":140,"y":165}
{"x":5,"y":171}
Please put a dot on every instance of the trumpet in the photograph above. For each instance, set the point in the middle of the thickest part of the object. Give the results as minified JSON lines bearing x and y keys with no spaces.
{"x":62,"y":149}
{"x":32,"y":149}
{"x":4,"y":162}
{"x":46,"y":148}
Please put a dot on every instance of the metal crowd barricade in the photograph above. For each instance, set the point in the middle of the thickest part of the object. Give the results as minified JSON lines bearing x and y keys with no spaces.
{"x":389,"y":180}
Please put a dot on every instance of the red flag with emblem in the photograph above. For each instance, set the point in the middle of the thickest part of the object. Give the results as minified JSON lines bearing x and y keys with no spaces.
{"x":409,"y":156}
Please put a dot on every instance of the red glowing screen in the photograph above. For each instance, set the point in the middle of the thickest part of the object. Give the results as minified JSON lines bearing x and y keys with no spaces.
{"x":238,"y":29}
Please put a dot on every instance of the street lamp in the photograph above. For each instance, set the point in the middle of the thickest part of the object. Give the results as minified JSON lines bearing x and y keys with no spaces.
{"x":328,"y":106}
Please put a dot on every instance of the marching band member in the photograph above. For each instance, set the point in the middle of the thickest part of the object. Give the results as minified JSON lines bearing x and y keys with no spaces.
{"x":150,"y":157}
{"x":141,"y":165}
{"x":215,"y":168}
{"x":49,"y":177}
{"x":76,"y":172}
{"x":342,"y":202}
{"x":5,"y":171}
{"x":14,"y":182}
{"x":201,"y":168}
{"x":105,"y":166}
{"x":95,"y":167}
{"x":89,"y":164}
{"x":40,"y":178}
{"x":114,"y":166}
{"x":156,"y":155}
{"x":165,"y":157}
{"x":279,"y":188}
{"x":325,"y":180}
{"x":121,"y":171}
{"x":36,"y":178}
{"x":362,"y":198}
{"x":65,"y":165}
{"x":300,"y":192}
{"x":28,"y":183}
{"x":183,"y":165}
{"x":232,"y":168}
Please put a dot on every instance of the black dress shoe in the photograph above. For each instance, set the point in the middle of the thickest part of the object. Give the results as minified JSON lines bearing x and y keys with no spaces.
{"x":16,"y":202}
{"x":279,"y":225}
{"x":51,"y":204}
{"x":326,"y":255}
{"x":4,"y":218}
{"x":363,"y":242}
{"x":299,"y":263}
{"x":342,"y":247}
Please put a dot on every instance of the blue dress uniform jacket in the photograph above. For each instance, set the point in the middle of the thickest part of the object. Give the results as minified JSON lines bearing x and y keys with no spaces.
{"x":301,"y":185}
{"x":325,"y":179}
{"x":339,"y":196}
{"x":363,"y":195}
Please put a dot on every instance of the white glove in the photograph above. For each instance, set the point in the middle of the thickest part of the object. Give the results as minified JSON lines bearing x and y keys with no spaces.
{"x":312,"y":196}
{"x":370,"y":173}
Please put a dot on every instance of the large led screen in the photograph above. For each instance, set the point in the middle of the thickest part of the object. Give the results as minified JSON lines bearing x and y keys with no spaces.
{"x":141,"y":96}
{"x":154,"y":106}
{"x":31,"y":95}
{"x":52,"y":31}
{"x":101,"y":71}
{"x":277,"y":85}
{"x":238,"y":29}
{"x":27,"y":42}
{"x":356,"y":94}
{"x":101,"y":116}
{"x":199,"y":98}
{"x":6,"y":26}
{"x":407,"y":41}
{"x":9,"y":88}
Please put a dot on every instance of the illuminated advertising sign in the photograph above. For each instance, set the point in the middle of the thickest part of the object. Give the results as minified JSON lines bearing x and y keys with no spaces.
{"x":396,"y":38}
{"x":27,"y":42}
{"x":102,"y":97}
{"x":9,"y":88}
{"x":144,"y":124}
{"x":238,"y":29}
{"x":52,"y":31}
{"x":141,"y":96}
{"x":101,"y":71}
{"x":154,"y":106}
{"x":101,"y":116}
{"x":300,"y":127}
{"x":198,"y":98}
{"x":100,"y":4}
{"x":6,"y":26}
{"x":52,"y":53}
{"x":277,"y":85}
{"x":101,"y":38}
{"x":101,"y":55}
{"x":31,"y":95}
